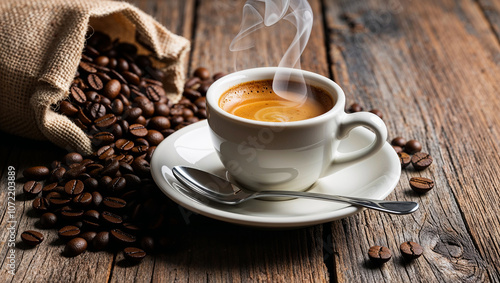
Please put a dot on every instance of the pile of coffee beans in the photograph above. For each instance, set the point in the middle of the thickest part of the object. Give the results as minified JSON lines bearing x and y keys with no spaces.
{"x":108,"y":201}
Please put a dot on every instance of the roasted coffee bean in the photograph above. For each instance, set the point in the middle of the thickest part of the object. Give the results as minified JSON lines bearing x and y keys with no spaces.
{"x":48,"y":220}
{"x":87,"y":67}
{"x":105,"y":152}
{"x":117,"y":107}
{"x":217,"y":76}
{"x":132,"y":114}
{"x":125,"y":168}
{"x":67,"y":108}
{"x":91,"y":218}
{"x":57,"y":174}
{"x":37,"y":173}
{"x":147,"y":107}
{"x":147,"y":243}
{"x":92,"y":96}
{"x":102,"y":61}
{"x":379,"y":254}
{"x":31,"y":237}
{"x":32,"y":188}
{"x":111,"y":218}
{"x":397,"y":149}
{"x":70,"y":213}
{"x":121,"y":237}
{"x":159,"y":123}
{"x":74,"y":172}
{"x":83,"y":199}
{"x":41,"y":204}
{"x":139,"y":149}
{"x":421,"y":160}
{"x":421,"y":185}
{"x":412,"y":146}
{"x":191,"y":94}
{"x":112,"y":89}
{"x":138,"y":130}
{"x":88,"y":236}
{"x":112,"y":166}
{"x":404,"y":159}
{"x":398,"y":141}
{"x":202,"y":73}
{"x":134,"y":254}
{"x":124,"y":144}
{"x":411,"y":250}
{"x":105,"y":181}
{"x":154,"y":93}
{"x":75,"y":247}
{"x":377,"y":112}
{"x":161,"y":109}
{"x":57,"y":199}
{"x":105,"y":121}
{"x":51,"y":188}
{"x":97,"y":110}
{"x":78,"y":95}
{"x":84,"y":118}
{"x":102,"y":138}
{"x":132,"y":180}
{"x":74,"y":187}
{"x":192,"y":83}
{"x":114,"y":202}
{"x":91,"y":183}
{"x":355,"y":107}
{"x":116,"y":185}
{"x":131,"y":78}
{"x":101,"y":241}
{"x":95,"y":82}
{"x":154,"y":137}
{"x":141,"y":166}
{"x":68,"y":232}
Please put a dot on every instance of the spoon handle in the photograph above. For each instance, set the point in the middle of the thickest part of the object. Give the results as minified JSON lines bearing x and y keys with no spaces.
{"x":394,"y":207}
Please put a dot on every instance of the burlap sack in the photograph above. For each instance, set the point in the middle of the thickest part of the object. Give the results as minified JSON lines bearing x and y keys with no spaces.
{"x":41,"y":42}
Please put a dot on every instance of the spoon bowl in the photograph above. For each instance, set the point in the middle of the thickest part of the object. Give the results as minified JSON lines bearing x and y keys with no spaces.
{"x":220,"y":190}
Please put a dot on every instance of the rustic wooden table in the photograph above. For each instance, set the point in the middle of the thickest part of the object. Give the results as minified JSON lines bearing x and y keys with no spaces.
{"x":431,"y":67}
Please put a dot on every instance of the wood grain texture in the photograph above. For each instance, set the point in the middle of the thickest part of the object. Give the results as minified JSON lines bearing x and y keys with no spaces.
{"x":428,"y":66}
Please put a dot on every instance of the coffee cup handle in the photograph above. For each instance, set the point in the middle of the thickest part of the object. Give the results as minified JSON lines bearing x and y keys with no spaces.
{"x":365,"y":119}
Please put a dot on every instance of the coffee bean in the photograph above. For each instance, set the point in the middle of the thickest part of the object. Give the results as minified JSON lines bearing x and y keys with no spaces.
{"x":88,"y":236}
{"x":379,"y":254}
{"x":114,"y":202}
{"x":101,"y":241}
{"x":147,"y":107}
{"x":412,"y":146}
{"x":111,"y":218}
{"x":397,"y":149}
{"x":111,"y":168}
{"x":105,"y":121}
{"x":74,"y":187}
{"x":421,"y":185}
{"x":91,"y":218}
{"x":87,"y":67}
{"x":147,"y":243}
{"x":154,"y":93}
{"x":192,"y":83}
{"x":131,"y":78}
{"x":159,"y":123}
{"x":67,"y":108}
{"x":37,"y":173}
{"x":141,"y":166}
{"x":102,"y":138}
{"x":32,"y":188}
{"x":117,"y":107}
{"x":355,"y":107}
{"x":68,"y":232}
{"x":217,"y":76}
{"x":96,"y":110}
{"x":398,"y":141}
{"x":95,"y":82}
{"x":161,"y":109}
{"x":48,"y":220}
{"x":121,"y":237}
{"x":70,"y":213}
{"x":75,"y":247}
{"x":74,"y":172}
{"x":404,"y":159}
{"x":138,"y":130}
{"x":78,"y":95}
{"x":116,"y":185}
{"x":154,"y":137}
{"x":82,"y":199}
{"x":112,"y":89}
{"x":411,"y":250}
{"x":202,"y":73}
{"x":102,"y":60}
{"x":40,"y":204}
{"x":32,"y":238}
{"x":421,"y":160}
{"x":132,"y":114}
{"x":134,"y":254}
{"x":377,"y":112}
{"x":124,"y":144}
{"x":57,"y":199}
{"x":105,"y":152}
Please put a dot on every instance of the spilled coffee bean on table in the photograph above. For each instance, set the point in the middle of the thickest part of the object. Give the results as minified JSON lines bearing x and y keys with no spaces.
{"x":108,"y":201}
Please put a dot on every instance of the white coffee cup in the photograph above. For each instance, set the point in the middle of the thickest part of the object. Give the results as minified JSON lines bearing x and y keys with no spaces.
{"x":288,"y":156}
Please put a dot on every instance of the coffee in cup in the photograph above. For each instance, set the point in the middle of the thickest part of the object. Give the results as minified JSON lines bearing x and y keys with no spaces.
{"x":262,"y":154}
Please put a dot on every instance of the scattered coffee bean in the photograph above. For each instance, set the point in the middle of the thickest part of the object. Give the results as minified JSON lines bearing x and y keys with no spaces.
{"x":32,"y":188}
{"x":377,"y":112}
{"x":421,"y":185}
{"x":88,"y":236}
{"x":398,"y":141}
{"x":101,"y":241}
{"x":412,"y":146}
{"x":134,"y":254}
{"x":355,"y":107}
{"x":72,"y":158}
{"x":75,"y":247}
{"x":74,"y":187}
{"x":68,"y":232}
{"x":202,"y":73}
{"x":121,"y":237}
{"x":40,"y":204}
{"x":404,"y":158}
{"x":36,"y":173}
{"x":421,"y":160}
{"x":379,"y":254}
{"x":411,"y":250}
{"x":48,"y":220}
{"x":31,"y":237}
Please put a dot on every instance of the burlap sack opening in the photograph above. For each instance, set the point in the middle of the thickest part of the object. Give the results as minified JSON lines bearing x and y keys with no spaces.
{"x":41,"y":45}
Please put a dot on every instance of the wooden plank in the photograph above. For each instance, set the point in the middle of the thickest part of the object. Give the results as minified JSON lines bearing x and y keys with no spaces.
{"x":491,"y":10}
{"x":430,"y":67}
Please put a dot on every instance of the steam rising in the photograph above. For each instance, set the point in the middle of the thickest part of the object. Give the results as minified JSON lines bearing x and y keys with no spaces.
{"x":258,"y":14}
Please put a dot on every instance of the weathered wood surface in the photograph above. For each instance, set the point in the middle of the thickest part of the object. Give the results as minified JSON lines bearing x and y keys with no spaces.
{"x":432,"y":68}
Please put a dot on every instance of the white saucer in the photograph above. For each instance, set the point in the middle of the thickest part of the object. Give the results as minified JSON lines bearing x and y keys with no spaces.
{"x":374,"y":178}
